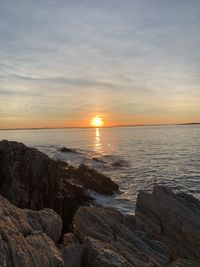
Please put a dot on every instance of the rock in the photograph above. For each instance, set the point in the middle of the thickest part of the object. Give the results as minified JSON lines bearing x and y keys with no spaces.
{"x":98,"y":160}
{"x":72,"y":251}
{"x":100,"y":254}
{"x":45,"y":220}
{"x":93,"y":180}
{"x":164,"y":232}
{"x":68,"y":200}
{"x":118,"y":163}
{"x":110,"y":239}
{"x":30,"y":179}
{"x":171,"y":218}
{"x":25,"y":237}
{"x":185,"y":263}
{"x":67,"y":150}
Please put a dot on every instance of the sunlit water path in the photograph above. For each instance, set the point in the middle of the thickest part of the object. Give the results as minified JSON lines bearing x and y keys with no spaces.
{"x":135,"y":157}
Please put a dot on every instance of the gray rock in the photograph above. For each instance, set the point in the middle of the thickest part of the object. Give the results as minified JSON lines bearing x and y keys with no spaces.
{"x":164,"y":232}
{"x":91,"y":179}
{"x":100,"y":254}
{"x":30,"y":179}
{"x":173,"y":219}
{"x":25,"y":242}
{"x":109,"y":239}
{"x":185,"y":263}
{"x":45,"y":220}
{"x":72,"y":251}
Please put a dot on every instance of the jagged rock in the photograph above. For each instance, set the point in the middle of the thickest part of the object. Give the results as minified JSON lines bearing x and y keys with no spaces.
{"x":45,"y":220}
{"x":185,"y":263}
{"x":72,"y":251}
{"x":30,"y":179}
{"x":171,"y":218}
{"x":27,"y":176}
{"x":164,"y":232}
{"x":110,"y":239}
{"x":93,"y":180}
{"x":68,"y":200}
{"x":99,"y":254}
{"x":25,"y":237}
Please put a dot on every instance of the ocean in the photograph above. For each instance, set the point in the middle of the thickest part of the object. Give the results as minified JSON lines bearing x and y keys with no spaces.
{"x":136,"y":158}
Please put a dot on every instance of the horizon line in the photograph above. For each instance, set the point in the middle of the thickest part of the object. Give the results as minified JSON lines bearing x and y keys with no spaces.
{"x":91,"y":127}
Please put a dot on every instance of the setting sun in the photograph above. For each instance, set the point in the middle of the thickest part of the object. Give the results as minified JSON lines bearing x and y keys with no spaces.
{"x":97,"y":121}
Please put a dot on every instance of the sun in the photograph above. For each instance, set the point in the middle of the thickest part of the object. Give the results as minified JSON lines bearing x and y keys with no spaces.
{"x":97,"y":121}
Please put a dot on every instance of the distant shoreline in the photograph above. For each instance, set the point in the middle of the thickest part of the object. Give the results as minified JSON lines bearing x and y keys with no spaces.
{"x":115,"y":126}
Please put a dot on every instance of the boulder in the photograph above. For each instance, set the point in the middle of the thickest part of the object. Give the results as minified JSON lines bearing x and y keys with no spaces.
{"x":111,"y":239}
{"x":91,"y":179}
{"x":100,"y":254}
{"x":171,"y":218}
{"x":30,"y":179}
{"x":163,"y":232}
{"x":46,"y":221}
{"x":185,"y":263}
{"x":72,"y":251}
{"x":25,"y":237}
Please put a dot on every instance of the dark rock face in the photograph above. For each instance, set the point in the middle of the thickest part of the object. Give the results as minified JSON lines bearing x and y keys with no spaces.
{"x":185,"y":263}
{"x":110,"y":239}
{"x":100,"y":254}
{"x":30,"y":179}
{"x":164,"y":232}
{"x":72,"y":251}
{"x":25,"y":237}
{"x":91,"y":179}
{"x":173,"y":219}
{"x":46,"y":220}
{"x":102,"y":237}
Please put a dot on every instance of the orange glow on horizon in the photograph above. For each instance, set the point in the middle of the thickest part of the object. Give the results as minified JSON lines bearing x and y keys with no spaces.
{"x":95,"y":121}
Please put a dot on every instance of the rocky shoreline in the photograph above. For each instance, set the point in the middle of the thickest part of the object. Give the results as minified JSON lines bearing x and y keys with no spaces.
{"x":48,"y":219}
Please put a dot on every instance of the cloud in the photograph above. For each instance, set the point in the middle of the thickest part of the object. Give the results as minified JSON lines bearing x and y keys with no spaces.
{"x":77,"y":82}
{"x":76,"y":57}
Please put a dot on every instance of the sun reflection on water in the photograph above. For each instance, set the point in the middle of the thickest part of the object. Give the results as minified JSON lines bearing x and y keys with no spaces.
{"x":97,"y":140}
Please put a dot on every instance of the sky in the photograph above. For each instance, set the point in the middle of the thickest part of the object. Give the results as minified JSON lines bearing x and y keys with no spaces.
{"x":63,"y":62}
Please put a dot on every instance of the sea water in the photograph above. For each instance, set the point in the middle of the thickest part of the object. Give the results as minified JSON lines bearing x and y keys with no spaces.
{"x":136,"y":158}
